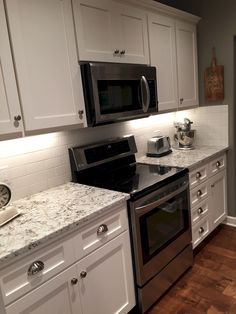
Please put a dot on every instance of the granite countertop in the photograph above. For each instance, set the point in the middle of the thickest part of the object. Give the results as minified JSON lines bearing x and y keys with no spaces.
{"x":187,"y":159}
{"x":48,"y":214}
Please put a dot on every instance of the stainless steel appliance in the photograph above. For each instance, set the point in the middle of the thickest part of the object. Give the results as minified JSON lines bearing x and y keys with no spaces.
{"x":158,"y":211}
{"x":114,"y":91}
{"x":184,"y":135}
{"x":158,"y":146}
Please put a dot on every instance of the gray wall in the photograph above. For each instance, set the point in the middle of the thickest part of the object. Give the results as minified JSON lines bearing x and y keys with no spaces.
{"x":217,"y":28}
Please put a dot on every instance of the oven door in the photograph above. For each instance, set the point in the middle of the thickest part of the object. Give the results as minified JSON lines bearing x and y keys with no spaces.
{"x":160,"y":228}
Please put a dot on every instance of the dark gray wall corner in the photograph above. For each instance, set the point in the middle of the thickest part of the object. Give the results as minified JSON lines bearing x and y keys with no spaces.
{"x":217,"y":28}
{"x":191,"y":6}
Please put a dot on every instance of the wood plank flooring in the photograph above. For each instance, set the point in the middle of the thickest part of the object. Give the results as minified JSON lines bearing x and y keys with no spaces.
{"x":210,"y":285}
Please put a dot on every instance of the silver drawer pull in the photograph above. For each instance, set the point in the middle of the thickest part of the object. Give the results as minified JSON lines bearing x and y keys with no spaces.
{"x":199,"y":193}
{"x":35,"y":268}
{"x":201,"y":230}
{"x":102,"y":229}
{"x":200,"y":210}
{"x":198,"y":175}
{"x":218,"y":164}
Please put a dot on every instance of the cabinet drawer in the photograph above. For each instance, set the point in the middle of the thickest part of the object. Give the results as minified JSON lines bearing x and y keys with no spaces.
{"x":200,"y":231}
{"x":198,"y":194}
{"x":101,"y":231}
{"x":217,"y":164}
{"x":31,"y":271}
{"x":198,"y":175}
{"x":200,"y":211}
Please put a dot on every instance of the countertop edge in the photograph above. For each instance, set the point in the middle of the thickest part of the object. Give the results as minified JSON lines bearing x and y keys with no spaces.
{"x":205,"y":159}
{"x":59,"y":234}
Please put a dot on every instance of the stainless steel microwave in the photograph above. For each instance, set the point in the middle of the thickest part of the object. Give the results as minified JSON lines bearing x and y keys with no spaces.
{"x":114,"y":91}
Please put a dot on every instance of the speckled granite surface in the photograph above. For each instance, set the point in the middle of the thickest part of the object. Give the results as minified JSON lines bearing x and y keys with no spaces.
{"x":47,"y":214}
{"x":188,"y":159}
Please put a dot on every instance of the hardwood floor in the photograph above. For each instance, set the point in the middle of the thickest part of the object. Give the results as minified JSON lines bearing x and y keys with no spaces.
{"x":210,"y":285}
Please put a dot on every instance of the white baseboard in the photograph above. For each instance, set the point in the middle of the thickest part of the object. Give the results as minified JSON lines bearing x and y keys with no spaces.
{"x":230,"y":221}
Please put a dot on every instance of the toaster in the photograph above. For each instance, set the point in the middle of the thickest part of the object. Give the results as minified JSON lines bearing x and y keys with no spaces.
{"x":158,"y":146}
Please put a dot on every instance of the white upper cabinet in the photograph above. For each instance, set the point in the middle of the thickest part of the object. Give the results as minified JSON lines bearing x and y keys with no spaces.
{"x":163,"y":57}
{"x":111,"y":32}
{"x":44,"y":48}
{"x":173,"y":51}
{"x":187,"y":64}
{"x":10,"y":114}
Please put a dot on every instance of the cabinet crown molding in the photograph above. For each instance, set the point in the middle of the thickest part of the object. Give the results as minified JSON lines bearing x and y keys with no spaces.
{"x":163,"y":8}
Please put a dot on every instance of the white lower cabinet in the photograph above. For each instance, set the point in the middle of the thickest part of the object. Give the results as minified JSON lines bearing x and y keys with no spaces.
{"x":208,"y":198}
{"x":74,"y":276}
{"x":218,"y":198}
{"x":57,"y":296}
{"x":106,"y":280}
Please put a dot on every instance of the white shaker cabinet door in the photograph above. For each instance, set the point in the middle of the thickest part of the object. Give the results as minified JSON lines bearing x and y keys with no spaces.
{"x":94,"y":29}
{"x":106,"y":278}
{"x":43,"y":41}
{"x":59,"y":295}
{"x":218,"y":198}
{"x":131,"y":28}
{"x":187,"y":64}
{"x":10,"y":114}
{"x":163,"y":57}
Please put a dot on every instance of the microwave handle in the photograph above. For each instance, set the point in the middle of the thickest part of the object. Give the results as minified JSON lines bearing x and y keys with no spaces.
{"x":145,"y":93}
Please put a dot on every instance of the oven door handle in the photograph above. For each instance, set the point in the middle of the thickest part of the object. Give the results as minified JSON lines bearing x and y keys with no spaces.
{"x":146,"y":208}
{"x":146,"y":98}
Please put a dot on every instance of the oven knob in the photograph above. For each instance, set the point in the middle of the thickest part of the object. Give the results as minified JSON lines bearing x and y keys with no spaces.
{"x":116,"y":52}
{"x":218,"y":164}
{"x":201,"y":230}
{"x":199,"y":193}
{"x":198,"y":175}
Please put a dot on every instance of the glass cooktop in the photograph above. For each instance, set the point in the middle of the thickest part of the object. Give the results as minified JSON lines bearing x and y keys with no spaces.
{"x":134,"y":179}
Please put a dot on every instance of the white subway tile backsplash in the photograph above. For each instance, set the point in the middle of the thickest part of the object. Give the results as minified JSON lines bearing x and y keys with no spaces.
{"x":33,"y":164}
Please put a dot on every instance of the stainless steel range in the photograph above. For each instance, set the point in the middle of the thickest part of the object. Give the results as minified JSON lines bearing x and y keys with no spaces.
{"x":158,"y":211}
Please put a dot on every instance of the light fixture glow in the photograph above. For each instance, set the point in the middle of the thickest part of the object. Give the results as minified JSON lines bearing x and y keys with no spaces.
{"x":27,"y":144}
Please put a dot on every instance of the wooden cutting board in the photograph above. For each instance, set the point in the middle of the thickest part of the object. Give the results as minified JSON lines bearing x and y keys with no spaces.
{"x":214,"y":80}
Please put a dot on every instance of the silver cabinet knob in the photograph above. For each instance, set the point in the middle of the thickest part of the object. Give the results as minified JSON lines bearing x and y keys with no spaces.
{"x":200,"y":210}
{"x":74,"y":281}
{"x":181,"y":101}
{"x":122,"y":52}
{"x":102,"y":229}
{"x":17,"y":118}
{"x":35,"y":268}
{"x":199,"y":193}
{"x":201,"y":230}
{"x":218,"y":164}
{"x":83,"y":274}
{"x":198,"y":175}
{"x":116,"y":52}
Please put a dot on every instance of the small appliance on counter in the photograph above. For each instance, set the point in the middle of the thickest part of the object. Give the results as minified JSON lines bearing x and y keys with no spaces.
{"x":158,"y":146}
{"x":184,"y":135}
